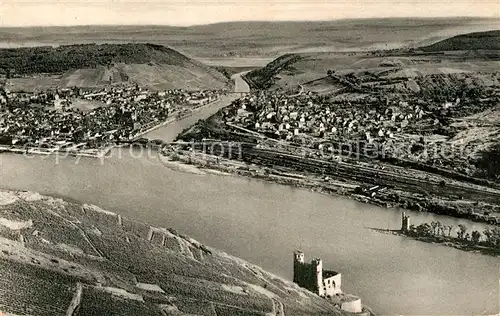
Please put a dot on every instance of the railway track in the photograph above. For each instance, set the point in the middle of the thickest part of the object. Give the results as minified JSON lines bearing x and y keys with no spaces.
{"x":402,"y":180}
{"x":387,"y":178}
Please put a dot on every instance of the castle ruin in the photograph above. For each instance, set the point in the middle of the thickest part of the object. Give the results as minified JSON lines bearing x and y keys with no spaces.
{"x":313,"y":277}
{"x":325,"y":283}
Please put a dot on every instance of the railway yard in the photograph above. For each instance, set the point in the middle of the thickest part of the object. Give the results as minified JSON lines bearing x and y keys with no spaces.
{"x":428,"y":151}
{"x":385,"y":185}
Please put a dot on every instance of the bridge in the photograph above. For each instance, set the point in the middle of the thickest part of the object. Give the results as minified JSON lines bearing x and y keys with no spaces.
{"x":238,"y":94}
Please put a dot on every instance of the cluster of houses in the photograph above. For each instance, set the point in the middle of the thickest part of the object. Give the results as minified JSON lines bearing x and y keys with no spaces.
{"x":137,"y":94}
{"x":119,"y":113}
{"x":310,"y":114}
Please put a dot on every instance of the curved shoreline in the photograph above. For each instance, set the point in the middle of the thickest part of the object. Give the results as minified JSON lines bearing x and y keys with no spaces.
{"x":99,"y":248}
{"x":443,"y":240}
{"x":315,"y":183}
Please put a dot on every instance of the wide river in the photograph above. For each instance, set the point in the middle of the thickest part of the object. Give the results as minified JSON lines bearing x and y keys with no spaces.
{"x":264,"y":223}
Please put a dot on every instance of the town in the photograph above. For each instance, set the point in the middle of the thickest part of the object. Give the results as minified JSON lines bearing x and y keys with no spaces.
{"x":420,"y":151}
{"x":90,"y":119}
{"x":176,"y":158}
{"x":406,"y":127}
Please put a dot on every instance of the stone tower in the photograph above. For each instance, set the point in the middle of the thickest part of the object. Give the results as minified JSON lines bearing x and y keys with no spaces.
{"x":317,"y":266}
{"x":298,"y":267}
{"x":298,"y":256}
{"x":405,"y":222}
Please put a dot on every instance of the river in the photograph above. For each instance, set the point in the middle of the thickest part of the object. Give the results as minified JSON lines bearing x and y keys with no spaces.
{"x":169,"y":133}
{"x":264,"y":223}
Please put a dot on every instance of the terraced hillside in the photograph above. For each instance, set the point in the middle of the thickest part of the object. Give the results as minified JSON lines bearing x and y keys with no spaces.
{"x":60,"y":257}
{"x":387,"y":71}
{"x":473,"y":41}
{"x":96,"y":65}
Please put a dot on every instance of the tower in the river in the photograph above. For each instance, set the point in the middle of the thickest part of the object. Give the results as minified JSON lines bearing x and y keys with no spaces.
{"x":405,"y":222}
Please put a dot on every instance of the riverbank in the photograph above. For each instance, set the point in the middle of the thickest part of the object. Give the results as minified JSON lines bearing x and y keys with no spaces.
{"x":91,"y":153}
{"x":113,"y":264}
{"x":445,"y":241}
{"x":100,"y":152}
{"x":176,"y":116}
{"x":384,"y":197}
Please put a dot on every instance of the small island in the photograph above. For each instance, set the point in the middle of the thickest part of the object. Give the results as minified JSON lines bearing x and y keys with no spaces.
{"x":487,"y":242}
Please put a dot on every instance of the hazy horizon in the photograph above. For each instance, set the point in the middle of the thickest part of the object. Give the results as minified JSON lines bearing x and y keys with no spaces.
{"x":255,"y":21}
{"x":35,"y":13}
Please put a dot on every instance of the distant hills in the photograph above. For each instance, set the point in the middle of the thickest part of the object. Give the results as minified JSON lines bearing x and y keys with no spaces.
{"x":269,"y":39}
{"x":473,"y":53}
{"x":94,"y":65}
{"x":473,"y":41}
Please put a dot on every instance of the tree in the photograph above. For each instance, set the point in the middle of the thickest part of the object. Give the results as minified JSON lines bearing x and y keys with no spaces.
{"x":488,"y":234}
{"x":450,"y":228}
{"x":412,"y":229}
{"x":434,"y":226}
{"x":424,"y":230}
{"x":476,"y":236}
{"x":492,"y":236}
{"x":440,"y":228}
{"x":467,"y":237}
{"x":461,"y":232}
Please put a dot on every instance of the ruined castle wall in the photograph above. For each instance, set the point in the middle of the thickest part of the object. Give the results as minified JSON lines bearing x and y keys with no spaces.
{"x":332,"y":285}
{"x":352,"y":306}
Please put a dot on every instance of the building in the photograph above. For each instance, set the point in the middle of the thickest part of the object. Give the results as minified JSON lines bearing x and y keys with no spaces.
{"x":405,"y":222}
{"x":312,"y":276}
{"x":325,"y":283}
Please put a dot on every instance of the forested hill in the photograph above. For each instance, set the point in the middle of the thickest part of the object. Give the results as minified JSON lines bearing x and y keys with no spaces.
{"x":60,"y":59}
{"x":92,"y":65}
{"x":472,"y":41}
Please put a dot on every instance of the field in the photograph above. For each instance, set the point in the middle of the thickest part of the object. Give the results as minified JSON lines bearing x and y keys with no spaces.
{"x":240,"y":46}
{"x":34,"y":83}
{"x":236,"y":62}
{"x":156,"y":77}
{"x":310,"y":70}
{"x":163,"y":77}
{"x":86,"y":105}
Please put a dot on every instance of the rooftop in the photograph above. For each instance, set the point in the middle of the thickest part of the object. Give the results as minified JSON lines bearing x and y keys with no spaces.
{"x":329,"y":273}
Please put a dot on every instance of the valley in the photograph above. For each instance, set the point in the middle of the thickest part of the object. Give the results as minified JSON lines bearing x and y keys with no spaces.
{"x":260,"y":139}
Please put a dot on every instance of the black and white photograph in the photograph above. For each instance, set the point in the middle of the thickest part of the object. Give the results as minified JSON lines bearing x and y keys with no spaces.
{"x":249,"y":158}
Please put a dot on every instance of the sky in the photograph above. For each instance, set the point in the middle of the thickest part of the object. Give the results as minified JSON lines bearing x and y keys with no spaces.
{"x":194,"y":12}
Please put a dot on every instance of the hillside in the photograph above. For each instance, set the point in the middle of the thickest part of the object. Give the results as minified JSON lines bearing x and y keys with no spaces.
{"x":472,"y":41}
{"x":94,"y":65}
{"x":402,"y":71}
{"x":272,"y":39}
{"x":61,"y":257}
